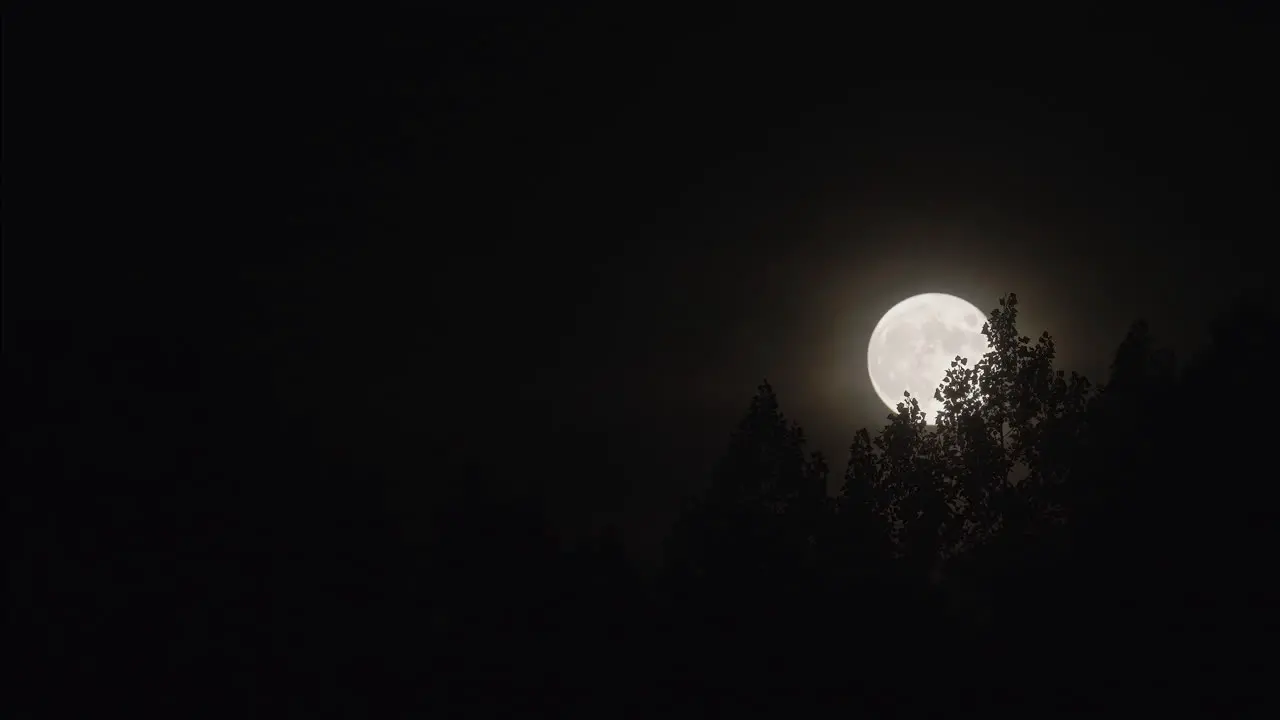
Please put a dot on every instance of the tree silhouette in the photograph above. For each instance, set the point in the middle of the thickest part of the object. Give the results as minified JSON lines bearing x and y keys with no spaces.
{"x":994,"y":464}
{"x":745,"y":554}
{"x":766,"y":502}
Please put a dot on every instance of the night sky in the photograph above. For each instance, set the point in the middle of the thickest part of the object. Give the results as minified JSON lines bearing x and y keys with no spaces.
{"x":521,"y":237}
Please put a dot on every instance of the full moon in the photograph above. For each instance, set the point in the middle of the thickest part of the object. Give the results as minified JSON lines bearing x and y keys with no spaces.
{"x":913,"y":345}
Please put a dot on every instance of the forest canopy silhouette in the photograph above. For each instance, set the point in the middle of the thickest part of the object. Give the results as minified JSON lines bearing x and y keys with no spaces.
{"x":1049,"y":540}
{"x":1048,"y":534}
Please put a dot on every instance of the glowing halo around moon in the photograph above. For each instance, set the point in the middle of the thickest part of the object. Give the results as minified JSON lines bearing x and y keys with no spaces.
{"x":913,"y":345}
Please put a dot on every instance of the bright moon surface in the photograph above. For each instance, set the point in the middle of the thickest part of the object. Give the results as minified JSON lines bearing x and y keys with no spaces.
{"x":913,"y":345}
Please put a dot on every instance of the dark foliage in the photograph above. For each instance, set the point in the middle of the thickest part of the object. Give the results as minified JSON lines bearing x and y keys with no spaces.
{"x":1049,"y":543}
